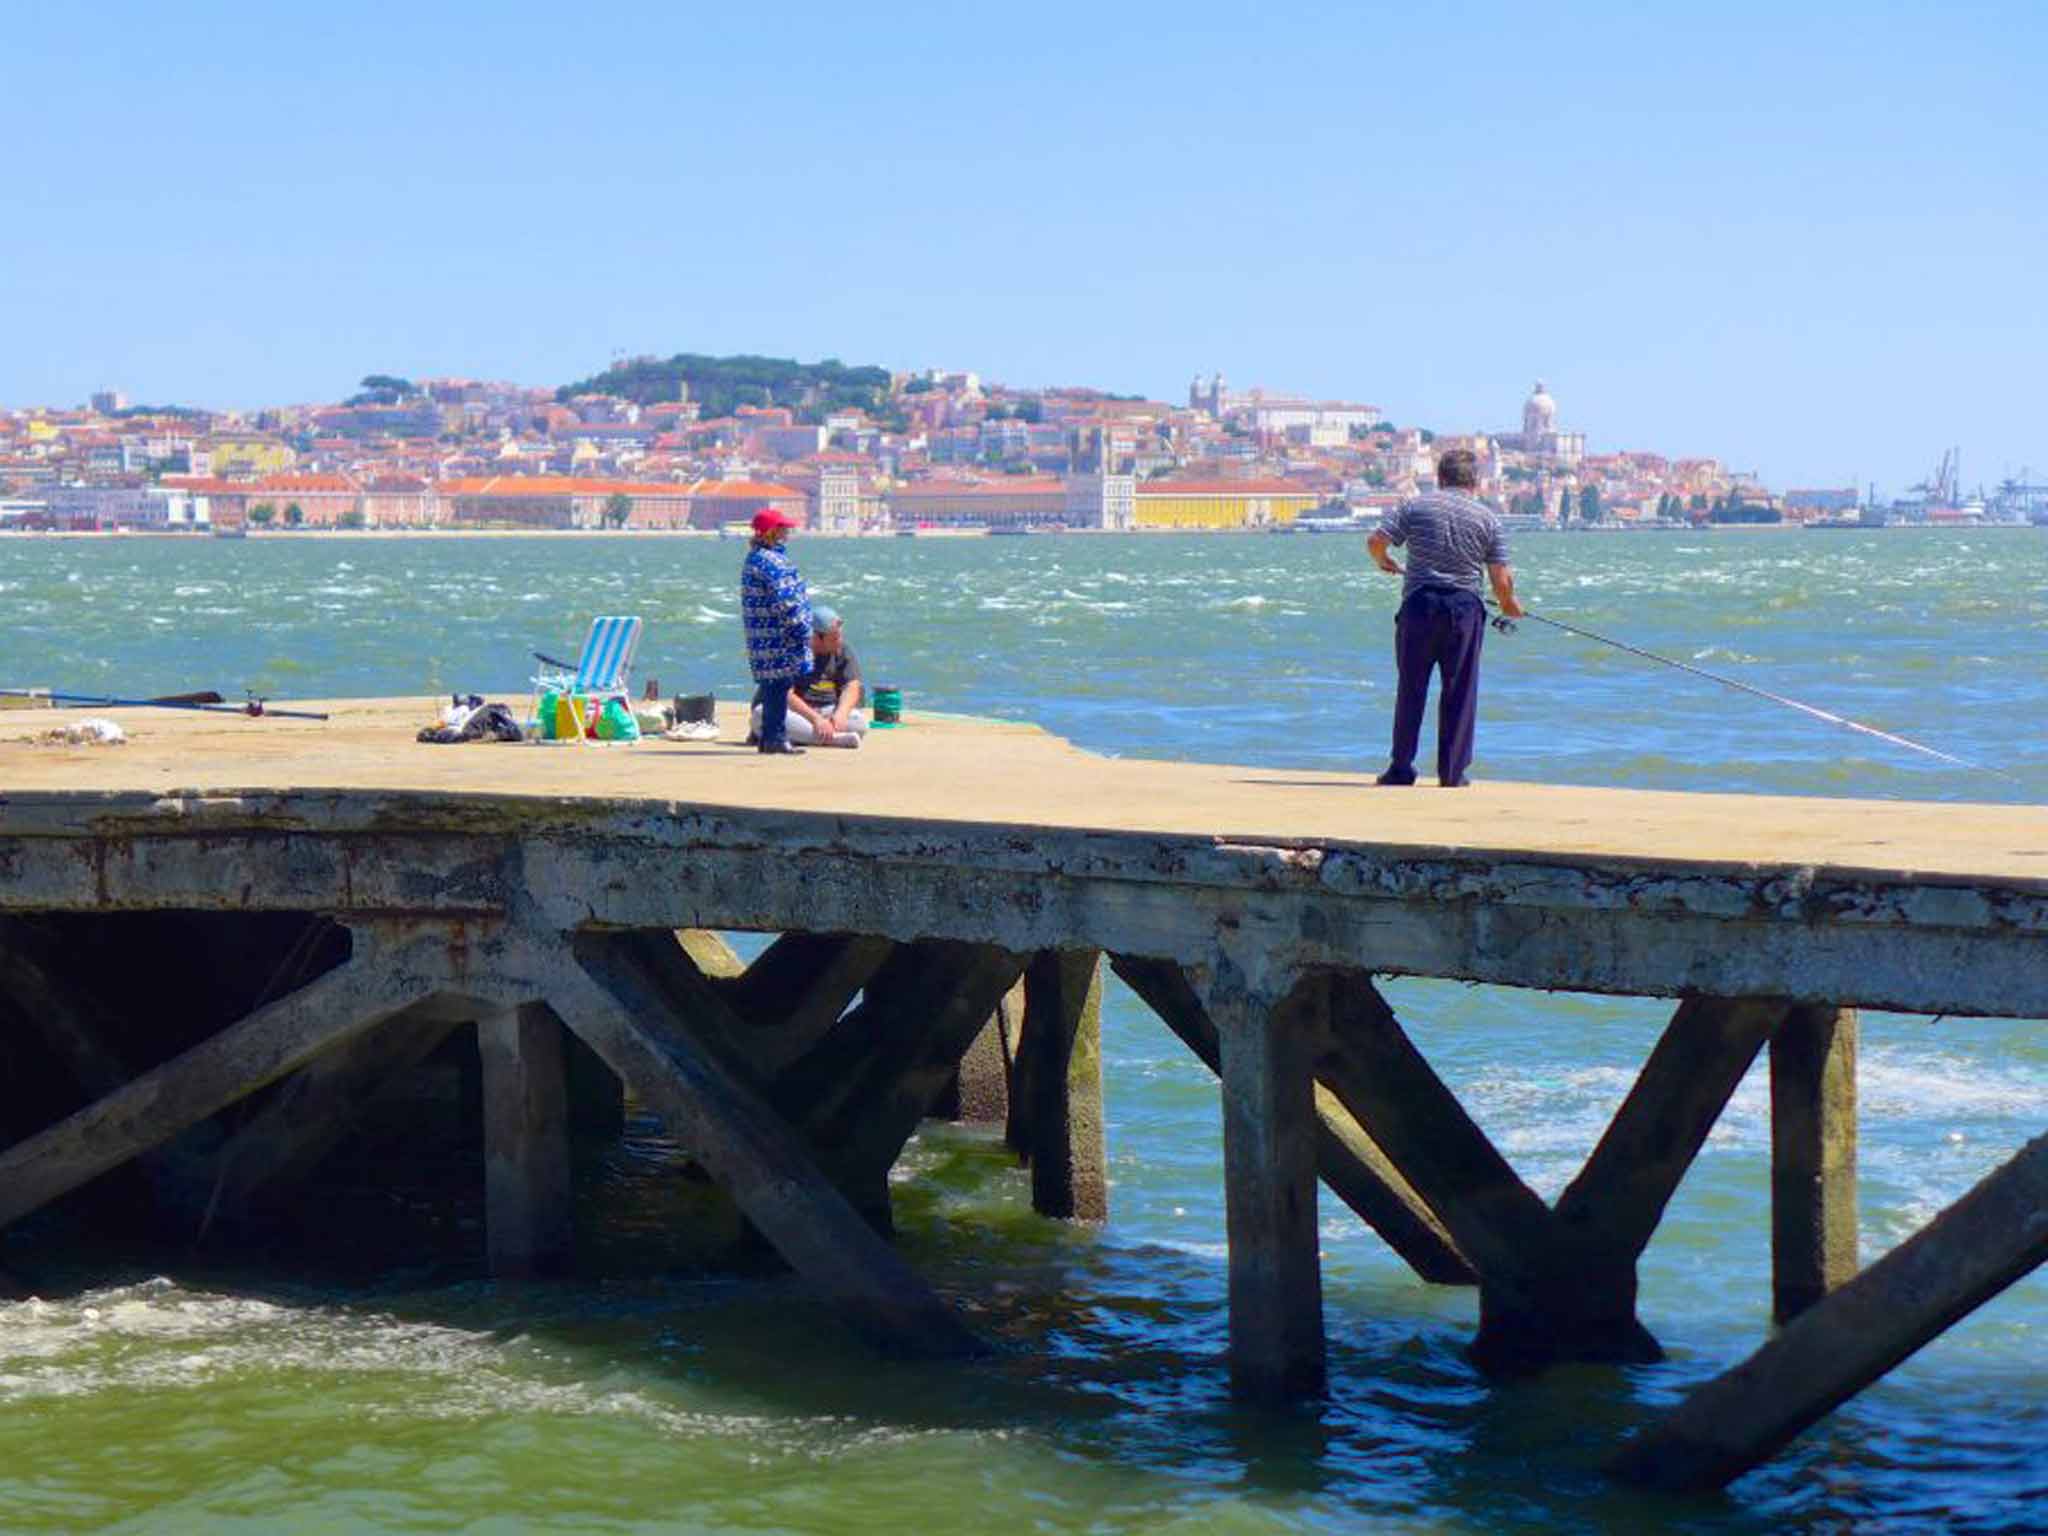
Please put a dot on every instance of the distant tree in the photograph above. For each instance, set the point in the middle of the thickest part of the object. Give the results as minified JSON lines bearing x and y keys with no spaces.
{"x":618,"y":509}
{"x":919,"y":387}
{"x":381,"y":389}
{"x":1589,"y":504}
{"x":1386,"y":427}
{"x":1032,"y":410}
{"x":1564,"y":505}
{"x":263,"y":514}
{"x":353,"y":519}
{"x":294,"y":516}
{"x":1699,"y":501}
{"x":1428,"y":437}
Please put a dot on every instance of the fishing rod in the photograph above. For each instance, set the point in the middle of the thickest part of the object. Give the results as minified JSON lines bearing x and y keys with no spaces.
{"x":1506,"y":625}
{"x":255,"y":709}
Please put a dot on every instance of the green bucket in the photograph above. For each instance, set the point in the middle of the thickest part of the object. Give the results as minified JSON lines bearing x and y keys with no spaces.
{"x":888,"y":708}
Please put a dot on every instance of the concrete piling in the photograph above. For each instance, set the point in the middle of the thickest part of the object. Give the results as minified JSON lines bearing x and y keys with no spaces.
{"x":1059,"y":1086}
{"x":1813,"y":1157}
{"x":1349,"y":1161}
{"x":528,"y":1214}
{"x":1268,"y":1027}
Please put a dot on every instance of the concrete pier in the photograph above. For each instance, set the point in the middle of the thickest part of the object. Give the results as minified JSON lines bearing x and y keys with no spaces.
{"x":563,"y":903}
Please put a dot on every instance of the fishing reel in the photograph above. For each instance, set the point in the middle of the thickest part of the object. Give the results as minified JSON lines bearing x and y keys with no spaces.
{"x":1500,"y":623}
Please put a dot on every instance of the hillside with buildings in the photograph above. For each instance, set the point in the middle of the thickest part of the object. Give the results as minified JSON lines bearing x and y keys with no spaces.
{"x":695,"y":442}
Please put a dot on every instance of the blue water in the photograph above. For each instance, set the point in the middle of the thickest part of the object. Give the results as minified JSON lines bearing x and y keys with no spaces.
{"x":646,"y":1396}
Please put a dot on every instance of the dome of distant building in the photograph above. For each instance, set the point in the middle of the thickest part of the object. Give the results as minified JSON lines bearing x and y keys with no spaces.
{"x":1539,"y":416}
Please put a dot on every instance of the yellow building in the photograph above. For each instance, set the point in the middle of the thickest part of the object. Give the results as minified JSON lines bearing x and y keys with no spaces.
{"x":246,"y":453}
{"x":1221,"y":504}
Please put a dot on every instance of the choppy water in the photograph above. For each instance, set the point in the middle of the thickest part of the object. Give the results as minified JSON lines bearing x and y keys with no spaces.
{"x":650,"y":1398}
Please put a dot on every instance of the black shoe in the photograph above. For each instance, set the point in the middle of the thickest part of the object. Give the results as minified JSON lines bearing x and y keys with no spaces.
{"x":780,"y":749}
{"x":753,"y":738}
{"x":1395,"y":780}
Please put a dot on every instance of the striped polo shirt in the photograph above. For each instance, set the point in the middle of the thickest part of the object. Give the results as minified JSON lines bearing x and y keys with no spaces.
{"x":1451,"y":539}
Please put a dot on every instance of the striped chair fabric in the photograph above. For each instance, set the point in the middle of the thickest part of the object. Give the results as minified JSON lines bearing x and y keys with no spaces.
{"x":602,"y":672}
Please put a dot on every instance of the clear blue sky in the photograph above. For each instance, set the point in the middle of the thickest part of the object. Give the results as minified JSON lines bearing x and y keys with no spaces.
{"x":1807,"y":239}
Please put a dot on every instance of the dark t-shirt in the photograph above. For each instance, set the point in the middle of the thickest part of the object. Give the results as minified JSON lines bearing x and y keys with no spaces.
{"x":829,"y":677}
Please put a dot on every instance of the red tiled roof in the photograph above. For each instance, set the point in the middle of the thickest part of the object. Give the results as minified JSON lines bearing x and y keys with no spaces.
{"x":741,"y":490}
{"x":557,"y":485}
{"x":305,"y":485}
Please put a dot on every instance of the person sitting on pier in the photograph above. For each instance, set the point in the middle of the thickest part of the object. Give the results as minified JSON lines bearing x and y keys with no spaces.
{"x":775,"y":608}
{"x":1453,"y":539}
{"x":824,"y":708}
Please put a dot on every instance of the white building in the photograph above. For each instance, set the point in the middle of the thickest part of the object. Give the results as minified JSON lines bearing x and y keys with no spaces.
{"x":838,"y":507}
{"x":1540,"y":437}
{"x":1102,"y":501}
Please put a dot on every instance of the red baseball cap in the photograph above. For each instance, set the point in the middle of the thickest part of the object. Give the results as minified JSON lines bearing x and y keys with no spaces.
{"x":769,"y":518}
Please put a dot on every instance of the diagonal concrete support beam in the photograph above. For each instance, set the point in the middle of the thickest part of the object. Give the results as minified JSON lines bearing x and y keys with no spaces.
{"x":379,"y":981}
{"x":1698,"y":1063}
{"x":1546,"y":1292}
{"x":860,"y":1095}
{"x":713,"y":956}
{"x":1357,"y":1171}
{"x":268,"y":1158}
{"x":75,"y":1028}
{"x":1555,"y":1283}
{"x":608,"y":998}
{"x":797,"y":990}
{"x":1992,"y":1237}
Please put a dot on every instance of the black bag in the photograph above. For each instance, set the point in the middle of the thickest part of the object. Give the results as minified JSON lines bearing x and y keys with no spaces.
{"x":493,"y":722}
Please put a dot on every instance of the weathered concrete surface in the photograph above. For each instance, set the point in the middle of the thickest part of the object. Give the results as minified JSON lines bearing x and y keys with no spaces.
{"x":1931,"y":908}
{"x":261,"y":1167}
{"x":1350,"y":1162}
{"x":1269,"y":1023}
{"x":1548,"y":1290}
{"x":1059,"y":1086}
{"x":529,"y":1217}
{"x":1990,"y":1238}
{"x":1813,"y":1157}
{"x":627,"y":1017}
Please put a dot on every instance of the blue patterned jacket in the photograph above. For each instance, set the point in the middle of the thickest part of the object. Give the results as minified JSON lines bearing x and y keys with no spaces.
{"x":775,"y":607}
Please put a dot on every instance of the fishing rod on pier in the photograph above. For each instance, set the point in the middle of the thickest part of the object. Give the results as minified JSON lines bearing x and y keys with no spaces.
{"x":206,"y":703}
{"x":1506,"y":625}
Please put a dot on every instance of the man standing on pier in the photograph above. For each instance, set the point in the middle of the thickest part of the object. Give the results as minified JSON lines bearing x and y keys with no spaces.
{"x":1453,"y":539}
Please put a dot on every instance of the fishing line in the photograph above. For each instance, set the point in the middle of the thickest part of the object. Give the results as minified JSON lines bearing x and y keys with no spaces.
{"x":1762,"y":693}
{"x":256,"y":708}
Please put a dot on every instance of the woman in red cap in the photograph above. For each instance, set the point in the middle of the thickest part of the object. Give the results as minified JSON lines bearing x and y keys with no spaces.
{"x":775,"y":607}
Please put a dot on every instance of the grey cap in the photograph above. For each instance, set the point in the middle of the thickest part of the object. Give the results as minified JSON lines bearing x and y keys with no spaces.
{"x":824,"y":620}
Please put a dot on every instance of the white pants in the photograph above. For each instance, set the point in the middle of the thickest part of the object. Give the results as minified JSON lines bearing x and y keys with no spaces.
{"x":801,"y":734}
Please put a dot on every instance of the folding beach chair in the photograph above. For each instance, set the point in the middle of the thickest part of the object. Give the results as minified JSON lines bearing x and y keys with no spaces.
{"x":600,"y":674}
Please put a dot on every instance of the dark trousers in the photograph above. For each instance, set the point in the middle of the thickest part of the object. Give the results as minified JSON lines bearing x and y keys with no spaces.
{"x":1437,"y":628}
{"x":774,"y":701}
